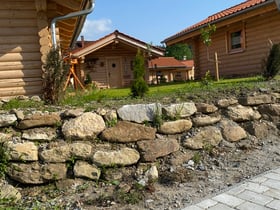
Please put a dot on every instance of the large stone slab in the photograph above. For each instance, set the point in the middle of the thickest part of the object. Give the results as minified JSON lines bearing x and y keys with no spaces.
{"x":232,"y":131}
{"x":86,"y":126}
{"x":85,"y":170}
{"x":124,"y":132}
{"x":206,"y":136}
{"x":25,"y":151}
{"x":35,"y":173}
{"x":39,"y":120}
{"x":82,"y":150}
{"x":206,"y":108}
{"x":270,"y":112}
{"x":124,"y":157}
{"x":8,"y":192}
{"x":256,"y":100}
{"x":7,"y":119}
{"x":151,"y":150}
{"x":241,"y":113}
{"x":179,"y":110}
{"x":56,"y":153}
{"x":39,"y":134}
{"x":205,"y":120}
{"x":139,"y":113}
{"x":174,"y":127}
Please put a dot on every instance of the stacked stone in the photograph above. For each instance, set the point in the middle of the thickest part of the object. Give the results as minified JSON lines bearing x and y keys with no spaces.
{"x":44,"y":147}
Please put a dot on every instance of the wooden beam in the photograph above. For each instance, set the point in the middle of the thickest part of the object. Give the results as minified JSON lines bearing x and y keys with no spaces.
{"x":41,"y":5}
{"x":70,"y":4}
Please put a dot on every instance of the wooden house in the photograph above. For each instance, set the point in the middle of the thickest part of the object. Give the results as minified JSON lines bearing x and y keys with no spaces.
{"x":109,"y":60}
{"x":26,"y":38}
{"x":242,"y":40}
{"x":169,"y":69}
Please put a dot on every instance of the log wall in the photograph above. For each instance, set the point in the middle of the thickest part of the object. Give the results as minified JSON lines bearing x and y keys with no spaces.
{"x":259,"y":31}
{"x":24,"y":40}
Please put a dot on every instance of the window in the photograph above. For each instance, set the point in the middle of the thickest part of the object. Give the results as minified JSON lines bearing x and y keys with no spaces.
{"x":236,"y":40}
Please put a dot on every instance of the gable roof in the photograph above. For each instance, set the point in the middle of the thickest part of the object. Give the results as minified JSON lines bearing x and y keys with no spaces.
{"x":167,"y":62}
{"x":90,"y":47}
{"x":241,"y":8}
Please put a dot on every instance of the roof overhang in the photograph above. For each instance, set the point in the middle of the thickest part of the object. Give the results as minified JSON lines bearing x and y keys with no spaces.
{"x":69,"y":29}
{"x":112,"y":38}
{"x":190,"y":33}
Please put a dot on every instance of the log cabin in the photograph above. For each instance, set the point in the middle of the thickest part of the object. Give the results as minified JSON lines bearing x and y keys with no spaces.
{"x":241,"y":42}
{"x":169,"y":69}
{"x":108,"y":61}
{"x":26,"y":38}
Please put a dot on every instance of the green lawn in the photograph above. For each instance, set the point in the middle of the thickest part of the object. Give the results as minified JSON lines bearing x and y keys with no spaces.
{"x":158,"y":92}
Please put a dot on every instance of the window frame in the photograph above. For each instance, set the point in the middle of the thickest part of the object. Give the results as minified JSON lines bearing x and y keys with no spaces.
{"x":241,"y":30}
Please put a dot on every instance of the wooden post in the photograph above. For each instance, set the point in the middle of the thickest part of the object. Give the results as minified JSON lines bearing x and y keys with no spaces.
{"x":217,"y":66}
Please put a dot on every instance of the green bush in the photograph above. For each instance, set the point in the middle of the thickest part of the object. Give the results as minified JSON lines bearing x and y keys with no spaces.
{"x":272,"y":63}
{"x":139,"y":87}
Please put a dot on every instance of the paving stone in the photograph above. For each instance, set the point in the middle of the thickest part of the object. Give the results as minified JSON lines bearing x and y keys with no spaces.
{"x":272,"y":183}
{"x":192,"y":208}
{"x":207,"y":203}
{"x":273,"y":193}
{"x":259,"y":179}
{"x":220,"y":206}
{"x":251,"y":206}
{"x":256,"y":187}
{"x":275,"y":204}
{"x":255,"y":197}
{"x":237,"y":190}
{"x":272,"y":175}
{"x":229,"y":200}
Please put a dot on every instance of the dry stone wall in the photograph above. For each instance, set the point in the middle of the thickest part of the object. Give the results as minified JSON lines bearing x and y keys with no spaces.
{"x":49,"y":146}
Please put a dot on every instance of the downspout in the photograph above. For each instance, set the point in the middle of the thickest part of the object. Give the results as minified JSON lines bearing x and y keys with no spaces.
{"x":68,"y":16}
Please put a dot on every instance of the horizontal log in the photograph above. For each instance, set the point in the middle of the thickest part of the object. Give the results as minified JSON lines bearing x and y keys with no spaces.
{"x":19,"y":39}
{"x":16,"y":91}
{"x":18,"y":22}
{"x":20,"y":57}
{"x":12,"y":31}
{"x":17,"y":5}
{"x":15,"y":14}
{"x":13,"y":83}
{"x":15,"y":48}
{"x":20,"y":74}
{"x":18,"y":65}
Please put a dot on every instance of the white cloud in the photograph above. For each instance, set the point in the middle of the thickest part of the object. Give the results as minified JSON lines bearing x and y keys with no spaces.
{"x":93,"y":29}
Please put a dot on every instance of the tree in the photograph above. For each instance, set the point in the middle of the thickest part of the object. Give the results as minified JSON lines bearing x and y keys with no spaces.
{"x":206,"y":34}
{"x":179,"y":51}
{"x":54,"y":77}
{"x":139,"y":87}
{"x":272,"y":63}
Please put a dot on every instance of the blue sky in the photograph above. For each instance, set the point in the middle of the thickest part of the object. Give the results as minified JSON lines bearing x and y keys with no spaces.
{"x":150,"y":21}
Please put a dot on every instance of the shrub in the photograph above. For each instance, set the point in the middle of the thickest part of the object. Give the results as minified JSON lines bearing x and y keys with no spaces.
{"x":139,"y":87}
{"x":54,"y":77}
{"x":273,"y":62}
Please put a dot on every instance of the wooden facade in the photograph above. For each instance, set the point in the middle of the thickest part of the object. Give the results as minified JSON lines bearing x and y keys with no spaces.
{"x":258,"y":26}
{"x":109,"y":60}
{"x":25,"y":40}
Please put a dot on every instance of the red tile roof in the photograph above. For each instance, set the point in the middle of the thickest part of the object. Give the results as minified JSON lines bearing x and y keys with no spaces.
{"x":227,"y":13}
{"x":115,"y":35}
{"x":188,"y":63}
{"x":168,"y":62}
